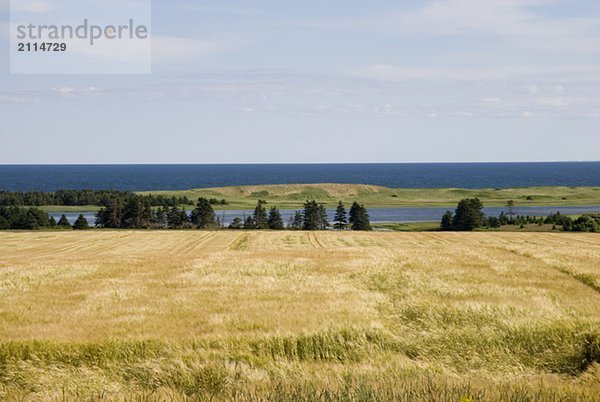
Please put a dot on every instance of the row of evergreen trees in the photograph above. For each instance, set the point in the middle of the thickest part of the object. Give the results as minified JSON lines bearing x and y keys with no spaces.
{"x":358,"y":218}
{"x":89,"y":197}
{"x":260,"y":219}
{"x":312,"y":217}
{"x":137,"y":214}
{"x":469,"y":216}
{"x":20,"y":218}
{"x":81,"y":223}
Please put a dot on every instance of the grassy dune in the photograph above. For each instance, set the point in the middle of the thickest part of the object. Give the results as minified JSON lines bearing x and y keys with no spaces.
{"x":294,"y":195}
{"x":299,"y":316}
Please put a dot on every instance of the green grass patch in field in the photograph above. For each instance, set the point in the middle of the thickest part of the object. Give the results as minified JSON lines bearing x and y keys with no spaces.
{"x":292,"y":196}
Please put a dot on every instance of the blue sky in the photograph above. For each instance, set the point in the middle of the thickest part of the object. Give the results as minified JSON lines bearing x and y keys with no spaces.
{"x":325,"y":81}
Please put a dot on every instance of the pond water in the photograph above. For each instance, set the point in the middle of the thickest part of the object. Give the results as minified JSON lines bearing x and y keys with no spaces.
{"x":378,"y":215}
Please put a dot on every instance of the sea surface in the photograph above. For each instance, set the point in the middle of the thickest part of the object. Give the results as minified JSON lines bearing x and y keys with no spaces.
{"x":183,"y":177}
{"x":380,"y":215}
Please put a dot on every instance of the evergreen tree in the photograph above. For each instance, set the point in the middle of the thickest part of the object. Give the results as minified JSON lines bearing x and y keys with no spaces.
{"x":312,"y":216}
{"x":323,"y":220}
{"x":132,"y":214}
{"x":102,"y":218}
{"x":503,"y":219}
{"x":25,"y":221}
{"x":493,"y":222}
{"x":249,"y":223}
{"x":468,"y":215}
{"x":147,"y":215}
{"x":203,"y":216}
{"x":354,"y":213}
{"x":6,"y":217}
{"x":447,"y":221}
{"x":260,"y":216}
{"x":159,"y":218}
{"x":23,"y":218}
{"x":110,"y":215}
{"x":341,"y":218}
{"x":81,"y":223}
{"x":510,"y":209}
{"x":364,"y":222}
{"x":40,"y":217}
{"x":275,"y":222}
{"x":52,"y":222}
{"x":297,"y":221}
{"x":63,"y":222}
{"x":176,"y":218}
{"x":359,"y":218}
{"x":236,"y":223}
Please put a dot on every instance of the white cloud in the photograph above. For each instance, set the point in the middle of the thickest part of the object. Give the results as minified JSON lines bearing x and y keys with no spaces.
{"x":65,"y":91}
{"x":267,"y":91}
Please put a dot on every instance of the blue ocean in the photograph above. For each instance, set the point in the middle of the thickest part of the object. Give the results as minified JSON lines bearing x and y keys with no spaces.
{"x":181,"y":177}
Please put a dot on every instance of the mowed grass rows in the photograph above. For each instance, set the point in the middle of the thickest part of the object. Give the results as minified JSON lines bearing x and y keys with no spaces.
{"x":299,"y":315}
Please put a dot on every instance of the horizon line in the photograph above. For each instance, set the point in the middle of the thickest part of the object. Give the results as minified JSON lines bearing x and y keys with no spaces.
{"x":286,"y":163}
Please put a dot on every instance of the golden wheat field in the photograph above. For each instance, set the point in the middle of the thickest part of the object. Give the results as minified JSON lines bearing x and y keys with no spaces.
{"x":292,"y":316}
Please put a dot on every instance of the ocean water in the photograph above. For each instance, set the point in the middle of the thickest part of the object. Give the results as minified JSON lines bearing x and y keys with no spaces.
{"x":181,"y":177}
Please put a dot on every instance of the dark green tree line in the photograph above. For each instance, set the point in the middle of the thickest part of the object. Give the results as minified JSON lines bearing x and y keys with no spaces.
{"x":18,"y":218}
{"x":89,"y":197}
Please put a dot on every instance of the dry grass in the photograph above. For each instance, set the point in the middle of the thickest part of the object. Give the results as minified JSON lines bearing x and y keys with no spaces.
{"x":296,"y":315}
{"x":292,"y":196}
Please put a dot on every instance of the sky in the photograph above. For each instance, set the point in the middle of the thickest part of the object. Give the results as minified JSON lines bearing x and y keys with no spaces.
{"x":280,"y":81}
